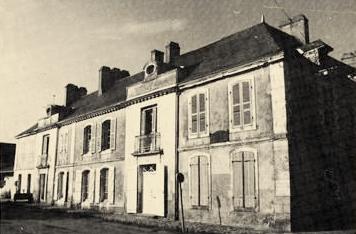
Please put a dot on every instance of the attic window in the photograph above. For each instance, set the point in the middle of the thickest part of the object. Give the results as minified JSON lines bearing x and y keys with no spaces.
{"x":150,"y":69}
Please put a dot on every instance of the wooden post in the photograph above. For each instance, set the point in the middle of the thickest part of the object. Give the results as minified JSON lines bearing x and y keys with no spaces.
{"x":181,"y":207}
{"x":219,"y":206}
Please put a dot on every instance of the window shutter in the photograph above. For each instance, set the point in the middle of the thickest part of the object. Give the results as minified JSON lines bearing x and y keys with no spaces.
{"x":204,"y":181}
{"x":113,"y":134}
{"x":237,"y":181}
{"x":91,"y":186}
{"x":92,"y":138}
{"x":202,"y":113}
{"x":77,"y":187}
{"x":207,"y":111}
{"x":98,"y":137}
{"x":249,"y":179}
{"x":111,"y":185}
{"x":246,"y":102}
{"x":97,"y":186}
{"x":236,"y":105}
{"x":189,"y":116}
{"x":194,"y":182}
{"x":194,"y":114}
{"x":81,"y":141}
{"x":154,"y":119}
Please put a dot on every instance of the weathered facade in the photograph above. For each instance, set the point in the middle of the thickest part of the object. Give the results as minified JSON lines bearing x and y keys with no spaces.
{"x":260,"y":123}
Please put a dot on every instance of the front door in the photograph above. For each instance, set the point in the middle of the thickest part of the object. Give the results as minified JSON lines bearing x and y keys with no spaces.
{"x":42,"y":187}
{"x":152,"y":190}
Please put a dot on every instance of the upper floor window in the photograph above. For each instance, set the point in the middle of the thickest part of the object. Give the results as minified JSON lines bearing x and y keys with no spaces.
{"x":105,"y":135}
{"x":45,"y":144}
{"x":104,"y":173}
{"x":243,"y":180}
{"x":148,"y":120}
{"x":199,"y":181}
{"x":241,"y":105}
{"x":198,"y":115}
{"x":86,"y":139}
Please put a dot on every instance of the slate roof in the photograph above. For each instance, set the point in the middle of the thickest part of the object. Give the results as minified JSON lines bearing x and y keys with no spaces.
{"x":237,"y":49}
{"x":246,"y":46}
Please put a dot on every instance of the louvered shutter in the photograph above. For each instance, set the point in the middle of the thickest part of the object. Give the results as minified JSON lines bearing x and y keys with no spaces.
{"x":77,"y":187}
{"x":204,"y":181}
{"x":194,"y":181}
{"x":92,"y":138}
{"x":249,"y":179}
{"x":202,"y":113}
{"x":113,"y":134}
{"x":98,"y":137}
{"x":97,"y":186}
{"x":91,"y":186}
{"x":237,"y":180}
{"x":207,"y":109}
{"x":111,"y":185}
{"x":246,"y":102}
{"x":236,"y":105}
{"x":194,"y":114}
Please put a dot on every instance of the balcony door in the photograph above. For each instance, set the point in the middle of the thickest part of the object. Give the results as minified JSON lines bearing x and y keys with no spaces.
{"x":148,"y":128}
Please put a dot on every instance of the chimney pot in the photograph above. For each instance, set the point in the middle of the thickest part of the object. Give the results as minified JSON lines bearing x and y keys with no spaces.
{"x":157,"y":56}
{"x":172,"y":51}
{"x":298,"y":27}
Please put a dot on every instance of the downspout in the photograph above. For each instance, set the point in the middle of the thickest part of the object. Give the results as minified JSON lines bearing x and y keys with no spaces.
{"x":54,"y":164}
{"x":177,"y":158}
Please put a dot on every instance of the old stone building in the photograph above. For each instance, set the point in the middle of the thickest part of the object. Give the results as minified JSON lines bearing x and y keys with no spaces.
{"x":260,"y":123}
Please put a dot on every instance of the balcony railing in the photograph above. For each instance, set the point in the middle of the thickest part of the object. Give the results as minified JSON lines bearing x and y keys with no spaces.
{"x":148,"y":144}
{"x":43,"y":161}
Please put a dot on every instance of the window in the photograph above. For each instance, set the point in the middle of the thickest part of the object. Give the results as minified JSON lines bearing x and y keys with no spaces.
{"x":148,"y":120}
{"x":28,"y":183}
{"x":243,"y":180}
{"x":104,"y":184}
{"x":60,"y":185}
{"x":105,"y":135}
{"x":198,"y":115}
{"x":199,"y":181}
{"x":85,"y":185}
{"x":241,"y":105}
{"x":19,"y":183}
{"x":45,"y":144}
{"x":86,"y":139}
{"x":42,"y":191}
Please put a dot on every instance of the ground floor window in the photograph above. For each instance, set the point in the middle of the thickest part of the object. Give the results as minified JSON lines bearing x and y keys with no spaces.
{"x":199,"y":181}
{"x":28,"y":183}
{"x":104,"y":173}
{"x":243,"y":180}
{"x":42,"y":186}
{"x":85,"y":185}
{"x":60,"y":185}
{"x":19,"y":183}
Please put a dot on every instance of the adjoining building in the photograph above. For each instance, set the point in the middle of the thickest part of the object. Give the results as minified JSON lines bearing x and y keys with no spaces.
{"x":260,"y":123}
{"x":7,"y":160}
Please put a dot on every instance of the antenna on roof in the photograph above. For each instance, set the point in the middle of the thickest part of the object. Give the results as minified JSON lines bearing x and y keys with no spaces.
{"x":283,"y":10}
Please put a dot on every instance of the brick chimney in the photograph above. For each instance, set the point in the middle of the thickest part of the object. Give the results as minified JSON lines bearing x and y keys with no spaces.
{"x":73,"y":93}
{"x":157,"y":56}
{"x":107,"y":78}
{"x":172,"y":51}
{"x":298,"y":27}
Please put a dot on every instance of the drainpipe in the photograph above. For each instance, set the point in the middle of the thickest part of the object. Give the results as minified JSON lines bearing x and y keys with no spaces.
{"x":177,"y":159}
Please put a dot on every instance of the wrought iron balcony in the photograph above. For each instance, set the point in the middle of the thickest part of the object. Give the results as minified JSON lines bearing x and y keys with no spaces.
{"x":43,"y":161}
{"x":148,"y":144}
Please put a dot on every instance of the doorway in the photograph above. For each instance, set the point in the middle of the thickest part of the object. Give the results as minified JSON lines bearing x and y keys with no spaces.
{"x":42,"y":187}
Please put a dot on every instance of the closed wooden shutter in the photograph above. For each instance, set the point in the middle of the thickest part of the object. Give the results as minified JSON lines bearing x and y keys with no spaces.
{"x":77,"y":187}
{"x":97,"y":186}
{"x":92,"y":138}
{"x":98,"y":137}
{"x":113,"y":134}
{"x":249,"y":179}
{"x":204,"y":181}
{"x":194,"y":114}
{"x":194,"y":181}
{"x":236,"y":105}
{"x":237,"y":180}
{"x":111,"y":185}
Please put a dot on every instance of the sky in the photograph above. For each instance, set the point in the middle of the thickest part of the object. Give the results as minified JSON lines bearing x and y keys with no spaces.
{"x":46,"y":44}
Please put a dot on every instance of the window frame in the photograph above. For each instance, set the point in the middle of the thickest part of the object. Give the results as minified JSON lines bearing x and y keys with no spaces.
{"x":198,"y":134}
{"x":193,"y":206}
{"x":104,"y":192}
{"x":60,"y":177}
{"x":256,"y":179}
{"x":46,"y":136}
{"x":87,"y":174}
{"x":242,"y":127}
{"x":90,"y":139}
{"x":102,"y":135}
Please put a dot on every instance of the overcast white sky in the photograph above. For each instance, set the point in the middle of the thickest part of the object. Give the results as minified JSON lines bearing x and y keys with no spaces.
{"x":45,"y":44}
